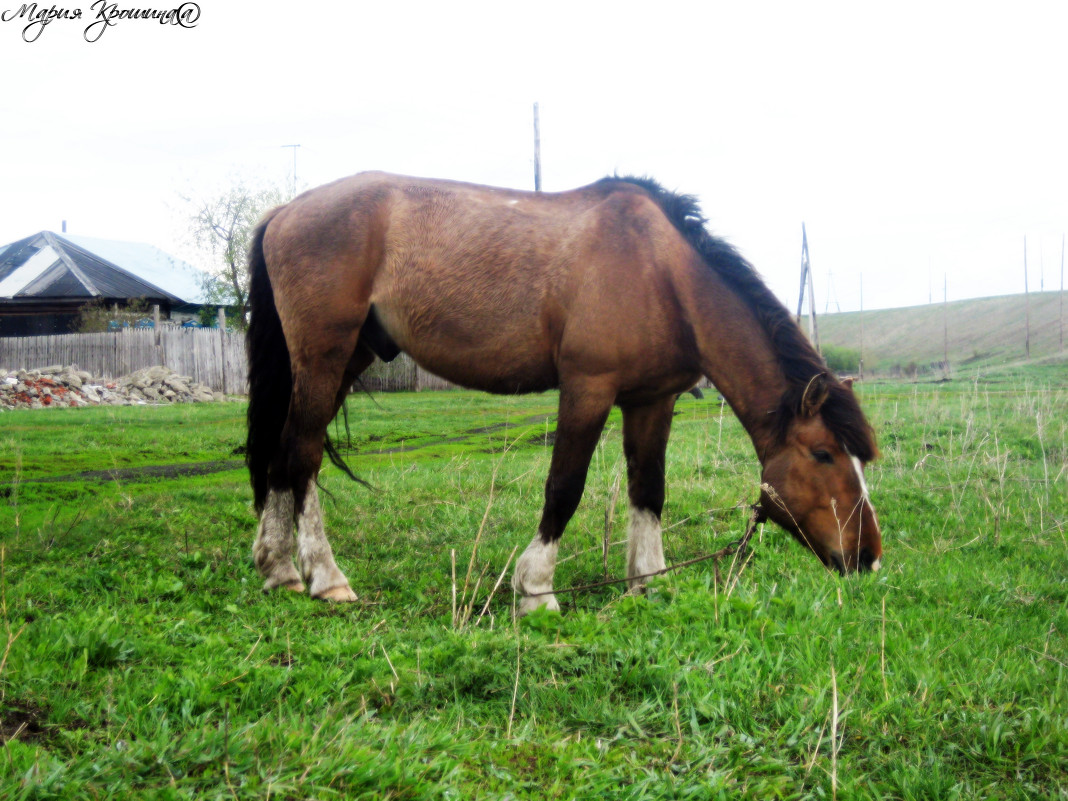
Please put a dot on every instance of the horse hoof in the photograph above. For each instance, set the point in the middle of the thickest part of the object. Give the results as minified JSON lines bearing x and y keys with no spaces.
{"x":528,"y":604}
{"x":640,"y":586}
{"x":292,"y":586}
{"x":342,"y":594}
{"x":643,"y":589}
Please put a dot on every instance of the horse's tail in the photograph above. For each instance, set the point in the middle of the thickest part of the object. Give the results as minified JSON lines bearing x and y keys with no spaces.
{"x":270,"y":378}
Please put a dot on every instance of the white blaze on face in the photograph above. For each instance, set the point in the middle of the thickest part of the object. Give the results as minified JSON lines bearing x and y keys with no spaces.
{"x":867,"y":499}
{"x":860,"y":475}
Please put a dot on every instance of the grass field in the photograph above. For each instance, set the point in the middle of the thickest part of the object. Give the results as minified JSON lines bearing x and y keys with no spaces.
{"x":976,"y":334}
{"x":140,"y":658}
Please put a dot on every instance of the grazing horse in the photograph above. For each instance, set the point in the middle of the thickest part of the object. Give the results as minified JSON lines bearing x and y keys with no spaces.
{"x":614,"y":293}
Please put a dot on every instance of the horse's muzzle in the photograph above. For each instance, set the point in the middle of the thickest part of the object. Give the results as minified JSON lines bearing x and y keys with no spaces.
{"x":867,"y":562}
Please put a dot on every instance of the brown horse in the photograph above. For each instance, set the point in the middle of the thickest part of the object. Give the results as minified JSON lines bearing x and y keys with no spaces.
{"x":614,"y":293}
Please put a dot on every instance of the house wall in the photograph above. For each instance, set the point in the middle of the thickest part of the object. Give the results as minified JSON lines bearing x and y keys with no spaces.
{"x":29,"y":325}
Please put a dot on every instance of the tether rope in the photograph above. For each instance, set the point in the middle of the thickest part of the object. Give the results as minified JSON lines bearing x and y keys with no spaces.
{"x":756,"y":517}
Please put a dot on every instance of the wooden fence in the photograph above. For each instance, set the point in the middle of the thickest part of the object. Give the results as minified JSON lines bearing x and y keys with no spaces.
{"x":400,"y":375}
{"x":205,"y":354}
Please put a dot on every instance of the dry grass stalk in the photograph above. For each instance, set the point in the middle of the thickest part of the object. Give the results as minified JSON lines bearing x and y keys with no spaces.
{"x":609,"y":517}
{"x":778,"y":501}
{"x":496,"y":586}
{"x":467,"y":603}
{"x":390,"y":663}
{"x":481,"y":528}
{"x":678,"y":724}
{"x":882,"y":652}
{"x":834,"y":732}
{"x":452,"y":553}
{"x":11,"y":636}
{"x":515,"y":685}
{"x":467,"y":607}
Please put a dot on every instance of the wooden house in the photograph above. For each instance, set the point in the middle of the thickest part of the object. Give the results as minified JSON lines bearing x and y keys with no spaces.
{"x":47,"y":279}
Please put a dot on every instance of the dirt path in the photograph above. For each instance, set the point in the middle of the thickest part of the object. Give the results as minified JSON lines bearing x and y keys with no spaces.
{"x":147,"y":471}
{"x":187,"y":469}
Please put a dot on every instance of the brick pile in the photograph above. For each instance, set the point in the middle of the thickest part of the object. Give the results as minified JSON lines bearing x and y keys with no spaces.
{"x":59,"y":386}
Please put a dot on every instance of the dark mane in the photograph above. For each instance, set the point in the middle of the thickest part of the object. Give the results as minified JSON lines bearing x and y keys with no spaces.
{"x":799,"y":361}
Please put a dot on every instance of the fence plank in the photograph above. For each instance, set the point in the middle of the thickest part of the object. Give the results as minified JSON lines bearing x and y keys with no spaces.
{"x":212,"y":357}
{"x":195,"y":352}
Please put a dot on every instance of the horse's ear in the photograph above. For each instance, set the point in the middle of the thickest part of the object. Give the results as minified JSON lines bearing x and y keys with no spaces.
{"x":847,"y":382}
{"x":815,"y":394}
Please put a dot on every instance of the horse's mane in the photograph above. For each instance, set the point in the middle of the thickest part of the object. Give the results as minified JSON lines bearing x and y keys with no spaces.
{"x":799,"y":361}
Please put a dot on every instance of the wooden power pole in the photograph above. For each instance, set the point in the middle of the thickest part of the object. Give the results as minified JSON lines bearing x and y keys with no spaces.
{"x":945,"y":326}
{"x":1027,"y":303}
{"x":806,"y":280}
{"x":537,"y":150}
{"x":294,"y":148}
{"x":861,"y":365}
{"x":1062,"y":294}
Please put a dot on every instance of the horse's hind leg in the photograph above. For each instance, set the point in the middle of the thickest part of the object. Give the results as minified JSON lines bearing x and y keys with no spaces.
{"x":325,"y":579}
{"x":583,"y":412}
{"x":645,"y":437}
{"x":275,"y":544}
{"x":321,"y":378}
{"x":273,"y":549}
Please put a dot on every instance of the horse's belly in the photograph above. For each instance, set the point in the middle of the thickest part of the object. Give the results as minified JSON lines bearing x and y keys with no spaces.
{"x":479,"y":351}
{"x":489,"y":370}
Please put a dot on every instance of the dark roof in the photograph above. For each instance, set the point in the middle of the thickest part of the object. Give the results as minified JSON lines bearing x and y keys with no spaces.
{"x":49,"y":265}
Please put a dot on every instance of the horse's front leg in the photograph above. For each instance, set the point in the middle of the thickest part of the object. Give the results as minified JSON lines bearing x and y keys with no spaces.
{"x":645,"y":437}
{"x":582,"y":416}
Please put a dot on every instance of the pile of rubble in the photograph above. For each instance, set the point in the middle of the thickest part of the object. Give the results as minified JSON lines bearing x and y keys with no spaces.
{"x":69,"y":386}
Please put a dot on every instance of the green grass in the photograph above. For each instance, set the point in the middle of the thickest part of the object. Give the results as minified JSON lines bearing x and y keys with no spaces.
{"x":143,"y":660}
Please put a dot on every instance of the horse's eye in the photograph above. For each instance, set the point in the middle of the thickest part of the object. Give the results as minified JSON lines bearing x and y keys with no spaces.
{"x":823,"y":457}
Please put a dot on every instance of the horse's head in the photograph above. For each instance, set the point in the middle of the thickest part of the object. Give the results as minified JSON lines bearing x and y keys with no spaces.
{"x":814,"y":485}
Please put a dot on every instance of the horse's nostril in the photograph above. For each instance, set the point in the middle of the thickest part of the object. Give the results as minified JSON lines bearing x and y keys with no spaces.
{"x":867,"y":558}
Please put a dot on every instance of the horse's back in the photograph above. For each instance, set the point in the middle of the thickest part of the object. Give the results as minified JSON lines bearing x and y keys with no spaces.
{"x":492,"y":288}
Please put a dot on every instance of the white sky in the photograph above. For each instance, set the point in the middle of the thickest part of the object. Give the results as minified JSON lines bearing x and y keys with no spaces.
{"x":914,"y":139}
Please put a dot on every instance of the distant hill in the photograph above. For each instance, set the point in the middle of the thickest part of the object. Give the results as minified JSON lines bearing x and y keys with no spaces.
{"x":984,"y":331}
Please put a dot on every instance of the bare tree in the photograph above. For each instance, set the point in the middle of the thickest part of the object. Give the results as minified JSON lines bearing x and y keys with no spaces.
{"x":222,"y":227}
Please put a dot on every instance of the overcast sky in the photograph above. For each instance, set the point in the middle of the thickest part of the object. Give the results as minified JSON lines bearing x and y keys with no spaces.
{"x":915,"y":140}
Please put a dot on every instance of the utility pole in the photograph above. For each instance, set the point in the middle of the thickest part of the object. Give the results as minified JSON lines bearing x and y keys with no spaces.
{"x":806,"y":279}
{"x":831,"y":293}
{"x":861,"y":327}
{"x":945,"y":326}
{"x":1041,"y":266}
{"x":1062,"y":293}
{"x":294,"y":167}
{"x":1027,"y":301}
{"x":537,"y":150}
